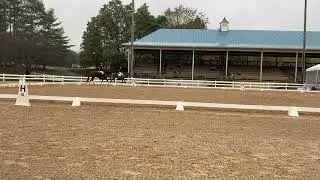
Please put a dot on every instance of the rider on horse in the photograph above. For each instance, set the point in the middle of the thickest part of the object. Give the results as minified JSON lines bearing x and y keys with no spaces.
{"x":100,"y":68}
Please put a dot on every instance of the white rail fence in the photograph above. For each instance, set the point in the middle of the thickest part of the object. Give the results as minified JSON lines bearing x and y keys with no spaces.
{"x":169,"y":103}
{"x":53,"y":79}
{"x":218,"y":84}
{"x":41,"y":78}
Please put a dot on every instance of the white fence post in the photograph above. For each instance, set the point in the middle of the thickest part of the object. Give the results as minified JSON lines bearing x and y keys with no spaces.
{"x":44,"y":78}
{"x":286,"y":86}
{"x":3,"y":78}
{"x":81,"y":79}
{"x":215,"y":83}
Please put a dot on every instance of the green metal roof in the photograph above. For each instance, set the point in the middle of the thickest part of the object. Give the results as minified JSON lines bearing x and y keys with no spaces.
{"x":246,"y":39}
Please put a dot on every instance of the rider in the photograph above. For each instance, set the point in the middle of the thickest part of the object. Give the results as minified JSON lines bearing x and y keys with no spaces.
{"x":119,"y":72}
{"x":100,"y":68}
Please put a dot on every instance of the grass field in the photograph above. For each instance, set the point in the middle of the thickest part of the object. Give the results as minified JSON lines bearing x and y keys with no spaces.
{"x":56,"y":141}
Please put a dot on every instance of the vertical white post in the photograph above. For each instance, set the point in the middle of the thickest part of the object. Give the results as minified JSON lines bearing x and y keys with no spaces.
{"x":3,"y":77}
{"x":128,"y":61}
{"x":192,"y":65}
{"x":160,"y":67}
{"x":317,"y":78}
{"x":261,"y":64}
{"x":227,"y":61}
{"x":44,"y":78}
{"x":296,"y":69}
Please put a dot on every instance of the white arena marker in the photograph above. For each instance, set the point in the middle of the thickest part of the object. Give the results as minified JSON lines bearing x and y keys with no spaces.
{"x":180,"y":106}
{"x":293,"y":112}
{"x":76,"y":102}
{"x":23,"y":94}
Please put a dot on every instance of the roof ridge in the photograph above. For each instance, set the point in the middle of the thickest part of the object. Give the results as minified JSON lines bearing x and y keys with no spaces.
{"x":261,"y":30}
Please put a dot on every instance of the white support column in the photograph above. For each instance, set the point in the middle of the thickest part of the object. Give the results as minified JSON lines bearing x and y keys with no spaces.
{"x":317,"y":79}
{"x":128,"y":53}
{"x":192,"y":65}
{"x":296,"y":68}
{"x":227,"y":61}
{"x":261,"y":64}
{"x":160,"y":64}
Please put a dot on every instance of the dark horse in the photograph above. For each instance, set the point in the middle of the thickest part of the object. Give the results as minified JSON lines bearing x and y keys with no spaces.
{"x":102,"y":75}
{"x":119,"y":75}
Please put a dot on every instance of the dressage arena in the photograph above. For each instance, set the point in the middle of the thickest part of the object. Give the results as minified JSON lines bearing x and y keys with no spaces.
{"x":52,"y":140}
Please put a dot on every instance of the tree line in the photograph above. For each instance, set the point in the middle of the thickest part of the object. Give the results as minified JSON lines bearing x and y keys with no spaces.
{"x":111,"y":27}
{"x":31,"y":34}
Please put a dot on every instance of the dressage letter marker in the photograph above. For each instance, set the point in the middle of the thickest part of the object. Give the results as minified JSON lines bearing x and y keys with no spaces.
{"x":180,"y":106}
{"x":293,"y":112}
{"x":23,"y":95}
{"x":76,"y":102}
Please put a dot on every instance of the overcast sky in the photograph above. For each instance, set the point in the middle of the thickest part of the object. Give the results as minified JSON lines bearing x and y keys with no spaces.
{"x":242,"y":14}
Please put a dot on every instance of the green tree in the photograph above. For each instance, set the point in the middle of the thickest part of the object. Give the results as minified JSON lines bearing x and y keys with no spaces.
{"x":34,"y":35}
{"x":185,"y":18}
{"x":145,"y":22}
{"x":92,"y":44}
{"x":105,"y":33}
{"x":52,"y":41}
{"x":4,"y":6}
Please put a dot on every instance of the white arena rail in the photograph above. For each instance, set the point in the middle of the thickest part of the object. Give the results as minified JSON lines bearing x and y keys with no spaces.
{"x":11,"y":80}
{"x":168,"y":103}
{"x":217,"y":84}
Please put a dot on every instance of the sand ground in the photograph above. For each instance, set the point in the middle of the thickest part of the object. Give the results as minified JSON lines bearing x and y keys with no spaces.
{"x":96,"y":141}
{"x":56,"y":141}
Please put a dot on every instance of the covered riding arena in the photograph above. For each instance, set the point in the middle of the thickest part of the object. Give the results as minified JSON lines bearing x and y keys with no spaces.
{"x":233,"y":55}
{"x":103,"y":141}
